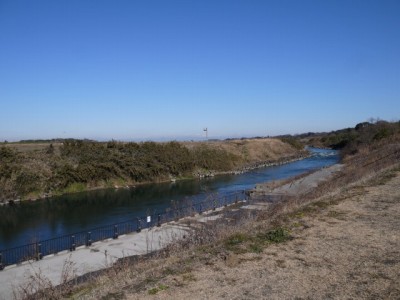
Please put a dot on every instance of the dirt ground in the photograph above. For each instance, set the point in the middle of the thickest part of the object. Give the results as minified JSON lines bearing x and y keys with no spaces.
{"x":349,"y":249}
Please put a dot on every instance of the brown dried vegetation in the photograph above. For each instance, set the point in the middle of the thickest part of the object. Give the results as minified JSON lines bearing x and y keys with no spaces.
{"x":338,"y":241}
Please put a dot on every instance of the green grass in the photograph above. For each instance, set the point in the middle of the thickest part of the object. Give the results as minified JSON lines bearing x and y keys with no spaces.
{"x":78,"y":164}
{"x":160,"y":288}
{"x":278,"y":235}
{"x":75,"y":188}
{"x":236,"y":239}
{"x":256,"y":248}
{"x":240,"y":243}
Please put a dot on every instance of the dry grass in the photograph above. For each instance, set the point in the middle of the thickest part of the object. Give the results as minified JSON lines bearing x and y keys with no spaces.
{"x":41,"y":287}
{"x":29,"y":147}
{"x":339,"y":241}
{"x":252,"y":150}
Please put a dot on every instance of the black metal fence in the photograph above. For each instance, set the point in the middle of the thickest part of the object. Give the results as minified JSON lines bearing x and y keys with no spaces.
{"x":36,"y":251}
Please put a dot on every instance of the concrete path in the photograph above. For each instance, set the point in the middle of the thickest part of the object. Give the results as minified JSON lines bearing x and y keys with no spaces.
{"x":103,"y":254}
{"x":89,"y":259}
{"x":100,"y":255}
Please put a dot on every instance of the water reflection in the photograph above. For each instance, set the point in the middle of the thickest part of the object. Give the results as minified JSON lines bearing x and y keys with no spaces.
{"x":31,"y":221}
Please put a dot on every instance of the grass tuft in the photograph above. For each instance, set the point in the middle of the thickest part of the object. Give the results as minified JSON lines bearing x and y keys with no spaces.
{"x":160,"y":288}
{"x":275,"y":236}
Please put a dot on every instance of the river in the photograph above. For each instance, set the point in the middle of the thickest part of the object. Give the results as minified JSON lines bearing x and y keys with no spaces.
{"x":44,"y":219}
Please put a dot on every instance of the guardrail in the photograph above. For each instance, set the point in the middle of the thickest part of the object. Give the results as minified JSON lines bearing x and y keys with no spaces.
{"x":36,"y":251}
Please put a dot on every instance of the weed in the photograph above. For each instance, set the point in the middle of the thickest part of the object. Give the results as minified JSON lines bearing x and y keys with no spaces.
{"x":336,"y":214}
{"x":114,"y":296}
{"x":160,"y":288}
{"x":170,"y":271}
{"x":278,"y":235}
{"x":281,"y":263}
{"x":385,"y":178}
{"x":236,"y":239}
{"x":321,"y":204}
{"x":256,"y":248}
{"x":297,"y":215}
{"x":296,"y":225}
{"x":74,"y":188}
{"x":235,"y":243}
{"x":189,"y":277}
{"x":153,"y":291}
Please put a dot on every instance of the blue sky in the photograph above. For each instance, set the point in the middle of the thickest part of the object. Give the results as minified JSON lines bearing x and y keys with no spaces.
{"x":165,"y":69}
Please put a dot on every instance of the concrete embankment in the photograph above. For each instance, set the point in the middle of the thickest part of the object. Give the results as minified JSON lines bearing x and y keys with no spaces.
{"x":254,"y":166}
{"x":298,"y":186}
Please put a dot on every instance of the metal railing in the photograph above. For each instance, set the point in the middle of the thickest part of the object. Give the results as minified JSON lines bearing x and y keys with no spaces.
{"x":37,"y":250}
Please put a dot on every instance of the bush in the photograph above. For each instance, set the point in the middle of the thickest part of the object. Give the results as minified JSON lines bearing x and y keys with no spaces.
{"x":293,"y":142}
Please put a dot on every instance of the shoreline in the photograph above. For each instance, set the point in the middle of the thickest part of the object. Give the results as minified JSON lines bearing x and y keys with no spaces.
{"x":197,"y":176}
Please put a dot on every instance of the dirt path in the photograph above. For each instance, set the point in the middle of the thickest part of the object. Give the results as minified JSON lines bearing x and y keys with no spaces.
{"x":349,"y":250}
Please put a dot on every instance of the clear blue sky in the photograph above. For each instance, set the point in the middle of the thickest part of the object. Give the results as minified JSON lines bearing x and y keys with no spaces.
{"x":166,"y":69}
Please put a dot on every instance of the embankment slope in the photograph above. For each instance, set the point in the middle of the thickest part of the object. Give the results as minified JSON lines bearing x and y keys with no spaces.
{"x":30,"y":171}
{"x":346,"y":250}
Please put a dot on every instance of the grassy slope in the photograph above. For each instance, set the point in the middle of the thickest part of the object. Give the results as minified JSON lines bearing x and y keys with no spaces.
{"x":340,"y":240}
{"x":350,"y":139}
{"x":328,"y":238}
{"x":29,"y":170}
{"x":335,"y":229}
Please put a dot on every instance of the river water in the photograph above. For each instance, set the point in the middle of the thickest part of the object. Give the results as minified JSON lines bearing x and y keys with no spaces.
{"x":44,"y":219}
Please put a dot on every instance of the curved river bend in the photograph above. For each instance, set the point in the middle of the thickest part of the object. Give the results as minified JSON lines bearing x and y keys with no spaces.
{"x":45,"y":219}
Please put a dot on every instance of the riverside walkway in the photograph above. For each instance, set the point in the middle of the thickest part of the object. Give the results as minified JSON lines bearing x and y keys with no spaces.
{"x":103,"y":254}
{"x":98,"y":256}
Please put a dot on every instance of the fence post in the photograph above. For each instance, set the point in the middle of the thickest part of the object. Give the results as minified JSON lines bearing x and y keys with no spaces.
{"x":88,"y":239}
{"x":39,"y":251}
{"x":193,"y":211}
{"x":73,"y":245}
{"x":158,"y":220}
{"x":1,"y":262}
{"x":201,"y":209}
{"x":115,"y":232}
{"x":214,"y":204}
{"x":139,"y":225}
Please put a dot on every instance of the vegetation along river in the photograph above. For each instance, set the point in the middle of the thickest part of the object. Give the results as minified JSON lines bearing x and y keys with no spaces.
{"x":44,"y":219}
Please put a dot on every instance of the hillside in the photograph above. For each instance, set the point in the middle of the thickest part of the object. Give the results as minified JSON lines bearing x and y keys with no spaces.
{"x":349,"y":140}
{"x":32,"y":170}
{"x":337,"y":237}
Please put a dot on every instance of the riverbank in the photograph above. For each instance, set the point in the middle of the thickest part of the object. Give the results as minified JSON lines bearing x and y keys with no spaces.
{"x":347,"y":224}
{"x":84,"y":166}
{"x":285,"y":248}
{"x":197,"y":175}
{"x":342,"y":247}
{"x":297,"y":186}
{"x":28,"y":276}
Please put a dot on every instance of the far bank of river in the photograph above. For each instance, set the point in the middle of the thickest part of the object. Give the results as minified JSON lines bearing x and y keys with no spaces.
{"x":66,"y":214}
{"x":200,"y":174}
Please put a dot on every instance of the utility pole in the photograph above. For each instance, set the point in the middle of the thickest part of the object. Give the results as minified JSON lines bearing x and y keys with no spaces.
{"x":206,"y":130}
